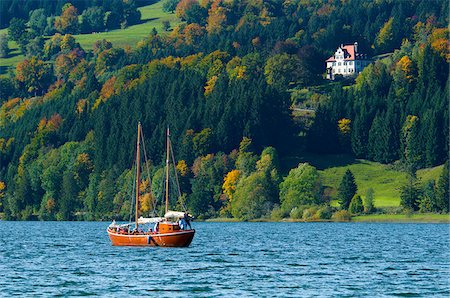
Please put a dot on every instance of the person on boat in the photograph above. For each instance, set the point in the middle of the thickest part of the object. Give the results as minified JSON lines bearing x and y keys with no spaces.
{"x":187,"y":221}
{"x":156,"y":227}
{"x":182,"y":223}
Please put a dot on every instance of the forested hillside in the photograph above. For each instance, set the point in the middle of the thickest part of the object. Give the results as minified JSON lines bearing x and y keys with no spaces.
{"x":224,"y":81}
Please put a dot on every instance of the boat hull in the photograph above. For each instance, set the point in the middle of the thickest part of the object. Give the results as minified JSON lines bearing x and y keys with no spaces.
{"x":175,"y":239}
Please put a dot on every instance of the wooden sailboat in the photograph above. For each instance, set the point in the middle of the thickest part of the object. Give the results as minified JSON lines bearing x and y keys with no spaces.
{"x":172,"y":230}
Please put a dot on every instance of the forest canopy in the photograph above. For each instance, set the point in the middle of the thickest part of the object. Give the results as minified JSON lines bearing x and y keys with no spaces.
{"x":226,"y":81}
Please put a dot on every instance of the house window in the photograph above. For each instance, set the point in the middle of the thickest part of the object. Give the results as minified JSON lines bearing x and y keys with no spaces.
{"x":345,"y":69}
{"x":334,"y":70}
{"x":339,"y":63}
{"x":358,"y":63}
{"x":350,"y":63}
{"x":345,"y":62}
{"x":334,"y":63}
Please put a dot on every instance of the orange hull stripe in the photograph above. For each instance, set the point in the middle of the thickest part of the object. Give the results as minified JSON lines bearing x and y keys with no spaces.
{"x":177,"y":239}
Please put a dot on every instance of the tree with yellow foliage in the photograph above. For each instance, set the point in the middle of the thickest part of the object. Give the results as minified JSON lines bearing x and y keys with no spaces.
{"x":229,"y":183}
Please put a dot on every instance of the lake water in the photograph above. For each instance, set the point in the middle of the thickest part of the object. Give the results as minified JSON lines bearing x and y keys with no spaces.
{"x":229,"y":260}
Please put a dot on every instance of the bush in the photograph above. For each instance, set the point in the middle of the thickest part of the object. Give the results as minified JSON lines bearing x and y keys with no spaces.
{"x":296,"y":213}
{"x":324,"y":212}
{"x":356,"y":205}
{"x":278,"y":213}
{"x":309,"y":213}
{"x":341,"y":215}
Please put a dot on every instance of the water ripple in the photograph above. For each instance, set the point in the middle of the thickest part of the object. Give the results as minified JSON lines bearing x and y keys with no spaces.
{"x":298,"y":260}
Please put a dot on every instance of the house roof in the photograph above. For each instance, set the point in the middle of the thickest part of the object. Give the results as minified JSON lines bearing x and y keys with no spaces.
{"x":349,"y":53}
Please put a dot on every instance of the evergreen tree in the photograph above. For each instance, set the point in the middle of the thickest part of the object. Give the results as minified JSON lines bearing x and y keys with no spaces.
{"x":442,"y":190}
{"x":412,"y":144}
{"x":347,"y":189}
{"x":390,"y":138}
{"x":360,"y":133}
{"x":69,"y":195}
{"x":376,"y":143}
{"x":410,"y":194}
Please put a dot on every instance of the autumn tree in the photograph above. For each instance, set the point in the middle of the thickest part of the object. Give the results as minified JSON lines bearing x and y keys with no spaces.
{"x":34,"y":75}
{"x":65,"y":63}
{"x":101,"y":45}
{"x":217,"y":17}
{"x":344,"y":128}
{"x":190,"y":11}
{"x":68,"y":21}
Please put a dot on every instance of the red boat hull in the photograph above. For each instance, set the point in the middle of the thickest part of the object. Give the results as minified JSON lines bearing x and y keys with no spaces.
{"x":181,"y":238}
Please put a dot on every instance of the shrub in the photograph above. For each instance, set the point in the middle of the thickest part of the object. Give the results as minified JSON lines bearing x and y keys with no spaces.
{"x":296,"y":213}
{"x":278,"y":213}
{"x":309,"y":213}
{"x":356,"y":205}
{"x":324,"y":212}
{"x":341,"y":215}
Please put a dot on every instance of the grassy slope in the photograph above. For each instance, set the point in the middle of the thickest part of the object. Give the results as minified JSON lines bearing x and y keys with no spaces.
{"x":152,"y":17}
{"x":417,"y":217}
{"x":14,"y":57}
{"x":383,"y":179}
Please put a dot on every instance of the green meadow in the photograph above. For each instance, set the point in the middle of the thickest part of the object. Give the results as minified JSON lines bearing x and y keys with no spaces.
{"x":385,"y":180}
{"x":152,"y":16}
{"x":416,"y":217}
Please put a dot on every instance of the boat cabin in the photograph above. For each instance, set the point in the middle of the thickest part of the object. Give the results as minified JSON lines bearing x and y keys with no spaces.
{"x":168,"y":227}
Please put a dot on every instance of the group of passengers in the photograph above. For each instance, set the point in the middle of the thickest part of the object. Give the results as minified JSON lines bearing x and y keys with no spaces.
{"x":183,"y":222}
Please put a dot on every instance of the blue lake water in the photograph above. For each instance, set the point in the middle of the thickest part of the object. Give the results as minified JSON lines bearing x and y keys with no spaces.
{"x":229,"y":260}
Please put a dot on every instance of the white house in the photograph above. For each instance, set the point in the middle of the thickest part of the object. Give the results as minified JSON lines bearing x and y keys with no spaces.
{"x":347,"y":61}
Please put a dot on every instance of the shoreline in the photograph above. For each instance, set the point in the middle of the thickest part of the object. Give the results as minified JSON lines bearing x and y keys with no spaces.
{"x":370,"y":218}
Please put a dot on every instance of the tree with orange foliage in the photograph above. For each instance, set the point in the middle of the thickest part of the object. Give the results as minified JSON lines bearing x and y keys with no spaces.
{"x":191,"y":11}
{"x":440,"y":43}
{"x":34,"y":75}
{"x":68,"y":21}
{"x":193,"y":33}
{"x":65,"y":63}
{"x":217,"y":17}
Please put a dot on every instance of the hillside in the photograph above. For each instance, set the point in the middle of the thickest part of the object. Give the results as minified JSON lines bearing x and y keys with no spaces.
{"x":152,"y":16}
{"x":244,"y":89}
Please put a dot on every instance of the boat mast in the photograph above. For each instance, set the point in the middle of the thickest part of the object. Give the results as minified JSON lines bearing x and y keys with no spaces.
{"x":167,"y":171}
{"x":138,"y":173}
